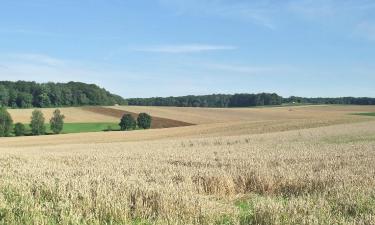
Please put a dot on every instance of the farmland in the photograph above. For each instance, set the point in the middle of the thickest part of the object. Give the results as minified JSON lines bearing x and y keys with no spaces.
{"x":282,"y":165}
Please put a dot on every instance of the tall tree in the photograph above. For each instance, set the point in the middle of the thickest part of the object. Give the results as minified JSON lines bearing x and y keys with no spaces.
{"x":4,"y":96}
{"x":57,"y":122}
{"x":128,"y":122}
{"x":6,"y":123}
{"x":37,"y":123}
{"x":144,"y":121}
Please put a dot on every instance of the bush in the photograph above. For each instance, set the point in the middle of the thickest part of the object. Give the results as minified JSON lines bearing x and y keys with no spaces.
{"x":144,"y":121}
{"x":57,"y":122}
{"x":6,"y":123}
{"x":127,"y":122}
{"x":19,"y":129}
{"x":37,"y":123}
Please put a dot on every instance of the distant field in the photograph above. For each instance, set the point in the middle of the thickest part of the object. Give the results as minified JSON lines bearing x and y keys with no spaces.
{"x":73,"y":115}
{"x":220,"y":115}
{"x":292,"y":165}
{"x":94,"y":115}
{"x":365,"y":114}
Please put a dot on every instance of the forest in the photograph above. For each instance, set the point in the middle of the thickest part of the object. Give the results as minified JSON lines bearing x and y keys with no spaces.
{"x":23,"y":94}
{"x":243,"y":100}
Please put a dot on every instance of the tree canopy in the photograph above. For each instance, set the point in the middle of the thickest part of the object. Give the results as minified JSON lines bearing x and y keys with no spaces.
{"x":6,"y":123}
{"x":23,"y":94}
{"x":37,"y":123}
{"x":57,"y":122}
{"x":243,"y":100}
{"x":215,"y":100}
{"x":144,"y":121}
{"x":128,"y":122}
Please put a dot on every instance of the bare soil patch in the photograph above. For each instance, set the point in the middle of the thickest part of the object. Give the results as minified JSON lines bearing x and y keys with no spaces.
{"x":157,"y":122}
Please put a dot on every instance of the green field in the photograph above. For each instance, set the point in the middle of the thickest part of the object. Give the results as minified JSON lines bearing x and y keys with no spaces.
{"x":82,"y":127}
{"x":365,"y":114}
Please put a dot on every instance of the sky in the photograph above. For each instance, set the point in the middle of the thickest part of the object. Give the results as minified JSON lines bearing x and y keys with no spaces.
{"x":145,"y":48}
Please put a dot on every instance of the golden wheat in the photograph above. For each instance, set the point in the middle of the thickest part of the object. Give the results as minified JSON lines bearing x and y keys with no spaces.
{"x":286,"y":171}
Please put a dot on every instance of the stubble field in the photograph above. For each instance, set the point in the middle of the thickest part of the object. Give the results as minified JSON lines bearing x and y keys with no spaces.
{"x":287,"y":165}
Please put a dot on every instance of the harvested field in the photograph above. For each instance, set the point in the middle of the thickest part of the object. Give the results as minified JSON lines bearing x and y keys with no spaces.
{"x":220,"y":115}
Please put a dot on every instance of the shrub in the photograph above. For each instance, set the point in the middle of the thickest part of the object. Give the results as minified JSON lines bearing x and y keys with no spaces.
{"x":57,"y":122}
{"x":6,"y":123}
{"x":127,"y":122}
{"x":37,"y":123}
{"x":19,"y":129}
{"x":144,"y":121}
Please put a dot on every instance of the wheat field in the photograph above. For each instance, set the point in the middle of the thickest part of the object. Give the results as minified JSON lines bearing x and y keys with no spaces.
{"x":298,"y":165}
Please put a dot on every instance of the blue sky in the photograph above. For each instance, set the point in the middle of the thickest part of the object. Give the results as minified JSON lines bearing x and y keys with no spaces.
{"x":142,"y":48}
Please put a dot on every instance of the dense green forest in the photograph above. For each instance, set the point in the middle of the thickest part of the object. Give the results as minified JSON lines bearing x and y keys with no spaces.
{"x":216,"y":100}
{"x":243,"y":100}
{"x":23,"y":94}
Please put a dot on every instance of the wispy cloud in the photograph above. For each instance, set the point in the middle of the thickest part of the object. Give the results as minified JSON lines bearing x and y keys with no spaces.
{"x":312,"y":8}
{"x":37,"y":59}
{"x":251,"y":70}
{"x":48,"y":34}
{"x":189,"y":48}
{"x":256,"y":12}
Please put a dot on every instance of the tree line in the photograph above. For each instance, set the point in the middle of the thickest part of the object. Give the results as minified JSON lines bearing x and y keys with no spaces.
{"x":56,"y":123}
{"x":243,"y":100}
{"x":129,"y":123}
{"x":215,"y":100}
{"x":340,"y":100}
{"x":37,"y":124}
{"x":24,"y":94}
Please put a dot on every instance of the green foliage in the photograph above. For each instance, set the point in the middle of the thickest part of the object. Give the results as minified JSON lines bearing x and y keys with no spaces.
{"x":365,"y":114}
{"x":57,"y":122}
{"x":244,"y":100}
{"x":4,"y":96}
{"x":144,"y":121}
{"x":127,"y":122}
{"x":216,"y":100}
{"x":88,"y":127}
{"x":6,"y":123}
{"x":22,"y":94}
{"x":19,"y":129}
{"x":37,"y":123}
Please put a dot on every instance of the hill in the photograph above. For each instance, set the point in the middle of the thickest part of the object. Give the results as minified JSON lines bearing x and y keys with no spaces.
{"x":24,"y":94}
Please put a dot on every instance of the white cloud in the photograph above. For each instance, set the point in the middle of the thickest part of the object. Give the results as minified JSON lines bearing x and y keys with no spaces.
{"x":189,"y":48}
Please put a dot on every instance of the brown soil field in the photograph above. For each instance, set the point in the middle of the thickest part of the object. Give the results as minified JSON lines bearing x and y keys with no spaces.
{"x":156,"y":123}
